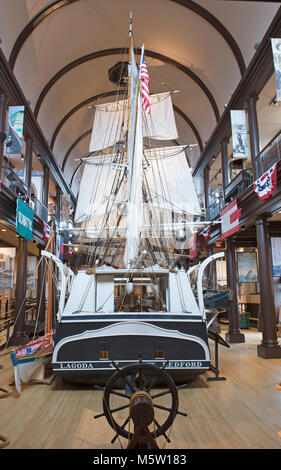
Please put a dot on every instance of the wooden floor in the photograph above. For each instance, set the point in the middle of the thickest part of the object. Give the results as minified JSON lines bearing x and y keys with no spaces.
{"x":243,"y":412}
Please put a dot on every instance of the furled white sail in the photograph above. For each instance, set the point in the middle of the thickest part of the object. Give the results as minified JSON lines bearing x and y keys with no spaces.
{"x":169,"y":181}
{"x":110,"y":123}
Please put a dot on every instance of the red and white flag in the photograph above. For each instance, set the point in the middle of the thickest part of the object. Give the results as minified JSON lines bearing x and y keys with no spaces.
{"x":145,"y":87}
{"x":46,"y":231}
{"x":230,"y":219}
{"x":206,"y":232}
{"x":265,"y":186}
{"x":193,"y":246}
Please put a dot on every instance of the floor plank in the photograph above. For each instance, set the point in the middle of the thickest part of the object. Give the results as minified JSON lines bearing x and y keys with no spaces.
{"x":242,"y":412}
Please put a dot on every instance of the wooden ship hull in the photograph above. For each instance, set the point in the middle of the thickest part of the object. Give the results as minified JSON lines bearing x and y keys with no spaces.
{"x":85,"y":349}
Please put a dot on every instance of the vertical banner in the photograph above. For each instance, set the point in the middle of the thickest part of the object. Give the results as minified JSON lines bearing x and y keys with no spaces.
{"x":65,"y":207}
{"x":240,"y":143}
{"x":15,"y":130}
{"x":276,"y":51}
{"x":25,"y":215}
{"x":230,"y":219}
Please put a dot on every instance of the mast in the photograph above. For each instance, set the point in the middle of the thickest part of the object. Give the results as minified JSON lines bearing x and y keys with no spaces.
{"x":129,"y":68}
{"x":134,"y":158}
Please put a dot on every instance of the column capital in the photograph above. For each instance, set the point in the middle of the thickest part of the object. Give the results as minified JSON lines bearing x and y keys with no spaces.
{"x":253,"y":97}
{"x":262,"y":219}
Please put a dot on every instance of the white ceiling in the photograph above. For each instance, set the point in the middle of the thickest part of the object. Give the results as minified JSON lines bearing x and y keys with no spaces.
{"x":166,"y":27}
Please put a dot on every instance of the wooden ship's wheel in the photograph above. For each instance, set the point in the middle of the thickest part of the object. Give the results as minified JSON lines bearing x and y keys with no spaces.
{"x":142,"y":402}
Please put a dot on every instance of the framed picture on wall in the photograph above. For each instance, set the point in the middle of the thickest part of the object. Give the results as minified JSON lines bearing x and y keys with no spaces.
{"x":276,"y":255}
{"x":247,"y":266}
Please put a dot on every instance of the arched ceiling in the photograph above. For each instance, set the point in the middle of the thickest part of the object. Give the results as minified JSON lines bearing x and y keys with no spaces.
{"x":60,"y":52}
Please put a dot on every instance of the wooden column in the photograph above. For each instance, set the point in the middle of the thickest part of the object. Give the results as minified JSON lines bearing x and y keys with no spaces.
{"x":269,"y":347}
{"x":224,"y":164}
{"x":45,"y":193}
{"x":207,"y":186}
{"x":41,"y":282}
{"x":254,"y":132}
{"x":19,"y":336}
{"x":3,"y":108}
{"x":234,"y":334}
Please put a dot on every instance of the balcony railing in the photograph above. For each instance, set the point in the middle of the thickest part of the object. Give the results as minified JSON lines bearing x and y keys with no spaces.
{"x":13,"y":182}
{"x":269,"y":155}
{"x":40,"y":210}
{"x":238,"y":185}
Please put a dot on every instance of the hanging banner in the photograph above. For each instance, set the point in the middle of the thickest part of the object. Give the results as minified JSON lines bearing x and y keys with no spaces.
{"x":46,"y":231}
{"x":276,"y":51}
{"x":206,"y":232}
{"x":265,"y":186}
{"x":193,"y":246}
{"x":25,"y":217}
{"x":65,"y":207}
{"x":14,"y":130}
{"x":240,"y":143}
{"x":230,"y":219}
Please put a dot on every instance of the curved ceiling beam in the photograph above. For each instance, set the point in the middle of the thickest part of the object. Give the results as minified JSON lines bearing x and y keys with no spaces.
{"x":75,"y":172}
{"x":221,"y":29}
{"x":114,"y":51}
{"x":114,"y":93}
{"x":190,"y":5}
{"x":72,"y":147}
{"x":32,"y":25}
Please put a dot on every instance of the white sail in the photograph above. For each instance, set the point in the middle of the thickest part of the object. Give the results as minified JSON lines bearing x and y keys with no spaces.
{"x":169,"y":181}
{"x":110,"y":123}
{"x":99,"y":181}
{"x":160,"y":124}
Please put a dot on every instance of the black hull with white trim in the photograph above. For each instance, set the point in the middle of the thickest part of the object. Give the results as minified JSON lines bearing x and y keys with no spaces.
{"x":85,"y":347}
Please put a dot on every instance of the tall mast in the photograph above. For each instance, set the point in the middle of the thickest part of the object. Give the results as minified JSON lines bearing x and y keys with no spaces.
{"x":129,"y":67}
{"x":134,"y":159}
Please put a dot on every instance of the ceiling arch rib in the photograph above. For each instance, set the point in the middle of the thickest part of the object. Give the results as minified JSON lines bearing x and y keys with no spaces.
{"x":72,"y":147}
{"x":188,"y":4}
{"x":117,"y":51}
{"x":114,"y":93}
{"x":32,"y":25}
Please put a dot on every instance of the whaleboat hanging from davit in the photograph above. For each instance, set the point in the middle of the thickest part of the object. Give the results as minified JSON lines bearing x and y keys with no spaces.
{"x":135,"y":201}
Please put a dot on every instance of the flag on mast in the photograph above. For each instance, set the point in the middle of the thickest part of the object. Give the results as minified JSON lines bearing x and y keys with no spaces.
{"x":144,"y":84}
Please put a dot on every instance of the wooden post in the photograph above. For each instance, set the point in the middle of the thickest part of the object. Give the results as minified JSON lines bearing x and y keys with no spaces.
{"x":19,"y":336}
{"x":224,"y":165}
{"x":254,"y":132}
{"x":269,"y":347}
{"x":3,"y":106}
{"x":207,"y":186}
{"x":234,"y":334}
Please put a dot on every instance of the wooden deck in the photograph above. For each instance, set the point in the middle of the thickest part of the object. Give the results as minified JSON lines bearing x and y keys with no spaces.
{"x":242,"y":412}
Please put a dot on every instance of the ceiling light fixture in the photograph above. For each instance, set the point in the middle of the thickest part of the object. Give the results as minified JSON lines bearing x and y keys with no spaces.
{"x":274,"y":101}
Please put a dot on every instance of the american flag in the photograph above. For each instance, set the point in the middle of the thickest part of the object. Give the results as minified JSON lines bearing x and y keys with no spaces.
{"x":144,"y":87}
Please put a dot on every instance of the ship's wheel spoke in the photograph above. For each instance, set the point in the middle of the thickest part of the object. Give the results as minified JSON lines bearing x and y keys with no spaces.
{"x":119,"y":394}
{"x":114,"y":410}
{"x":122,"y":427}
{"x":161,"y":407}
{"x":161,"y":394}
